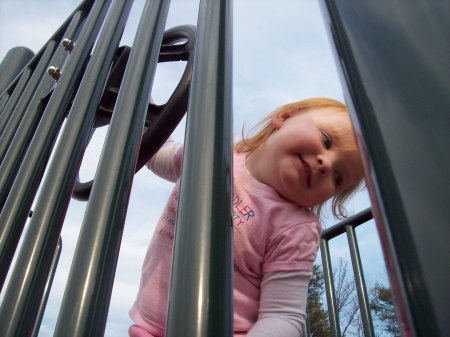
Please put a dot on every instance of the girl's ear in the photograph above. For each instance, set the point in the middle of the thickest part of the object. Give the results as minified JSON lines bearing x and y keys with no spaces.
{"x":278,"y":121}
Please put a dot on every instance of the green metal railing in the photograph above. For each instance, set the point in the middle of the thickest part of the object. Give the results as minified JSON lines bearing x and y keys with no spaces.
{"x":394,"y":65}
{"x":203,"y":258}
{"x":66,"y":80}
{"x":346,"y":227}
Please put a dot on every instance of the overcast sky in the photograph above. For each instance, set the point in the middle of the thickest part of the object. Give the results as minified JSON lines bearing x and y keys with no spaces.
{"x":281,"y":54}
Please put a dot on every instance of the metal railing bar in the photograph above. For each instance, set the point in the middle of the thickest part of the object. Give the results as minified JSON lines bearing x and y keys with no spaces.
{"x":64,"y":31}
{"x":47,"y":289}
{"x":26,"y":112}
{"x":3,"y":101}
{"x":21,"y":195}
{"x":382,"y":103}
{"x":9,"y":233}
{"x":333,"y":313}
{"x":45,"y":226}
{"x":202,"y":255}
{"x":84,"y":7}
{"x":307,"y":331}
{"x":14,"y":146}
{"x":354,"y":220}
{"x":346,"y":226}
{"x":360,"y":283}
{"x":12,"y":65}
{"x":13,"y":101}
{"x":86,"y":299}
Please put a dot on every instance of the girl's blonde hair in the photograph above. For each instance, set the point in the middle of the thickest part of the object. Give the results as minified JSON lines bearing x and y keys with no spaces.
{"x":265,"y":128}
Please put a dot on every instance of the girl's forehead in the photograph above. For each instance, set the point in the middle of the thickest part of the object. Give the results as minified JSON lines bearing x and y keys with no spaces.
{"x":327,"y":116}
{"x":329,"y":120}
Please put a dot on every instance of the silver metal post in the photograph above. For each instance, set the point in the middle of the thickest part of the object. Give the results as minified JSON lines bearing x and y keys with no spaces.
{"x":200,"y":301}
{"x":86,"y":299}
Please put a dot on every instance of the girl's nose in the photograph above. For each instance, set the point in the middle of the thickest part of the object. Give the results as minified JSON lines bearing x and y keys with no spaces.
{"x":324,"y":165}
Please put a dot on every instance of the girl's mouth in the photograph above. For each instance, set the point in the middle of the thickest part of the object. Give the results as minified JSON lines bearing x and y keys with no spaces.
{"x":307,"y":171}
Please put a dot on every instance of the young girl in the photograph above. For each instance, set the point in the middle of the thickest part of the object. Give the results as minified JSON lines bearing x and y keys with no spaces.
{"x":303,"y":154}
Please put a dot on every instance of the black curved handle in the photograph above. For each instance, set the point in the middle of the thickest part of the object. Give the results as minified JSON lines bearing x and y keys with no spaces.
{"x":178,"y":45}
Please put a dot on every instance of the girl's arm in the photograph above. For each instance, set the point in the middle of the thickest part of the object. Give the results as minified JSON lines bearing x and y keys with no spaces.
{"x":282,"y":307}
{"x":166,"y":163}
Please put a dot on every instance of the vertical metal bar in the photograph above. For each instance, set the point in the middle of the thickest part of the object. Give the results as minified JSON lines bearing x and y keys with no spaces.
{"x":201,"y":283}
{"x":13,"y":101}
{"x":30,"y":115}
{"x":10,"y":233}
{"x":12,"y":117}
{"x":18,"y":203}
{"x":361,"y":290}
{"x":27,"y":113}
{"x":3,"y":101}
{"x":388,"y":51}
{"x":21,"y":302}
{"x":307,"y":327}
{"x":12,"y":64}
{"x":85,"y":304}
{"x":31,"y":106}
{"x":48,"y":286}
{"x":333,"y":313}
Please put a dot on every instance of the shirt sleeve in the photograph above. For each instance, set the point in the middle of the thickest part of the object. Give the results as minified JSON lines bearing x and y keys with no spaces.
{"x":292,"y":246}
{"x":282,"y":308}
{"x":166,"y":163}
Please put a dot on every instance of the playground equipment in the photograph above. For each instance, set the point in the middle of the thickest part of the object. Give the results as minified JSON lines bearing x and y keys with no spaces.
{"x":394,"y":66}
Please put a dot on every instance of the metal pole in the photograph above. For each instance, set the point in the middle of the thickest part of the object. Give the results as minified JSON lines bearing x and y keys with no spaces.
{"x":13,"y":100}
{"x":200,"y":300}
{"x":21,"y":194}
{"x":307,"y":331}
{"x":21,"y":303}
{"x":28,"y":111}
{"x":333,"y":313}
{"x":48,"y":286}
{"x":395,"y":66}
{"x":3,"y":101}
{"x":23,"y":110}
{"x":12,"y":64}
{"x":86,"y":299}
{"x":360,"y":283}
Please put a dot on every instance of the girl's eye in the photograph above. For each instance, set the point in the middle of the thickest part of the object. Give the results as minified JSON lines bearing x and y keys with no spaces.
{"x":326,"y":139}
{"x":337,"y":177}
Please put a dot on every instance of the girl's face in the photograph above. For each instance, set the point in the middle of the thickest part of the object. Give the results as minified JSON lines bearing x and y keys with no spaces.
{"x":302,"y":159}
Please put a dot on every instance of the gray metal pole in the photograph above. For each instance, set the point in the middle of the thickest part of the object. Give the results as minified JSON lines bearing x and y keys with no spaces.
{"x":22,"y":298}
{"x":395,"y":66}
{"x":360,"y":283}
{"x":12,"y":64}
{"x":23,"y":110}
{"x":28,"y":177}
{"x":22,"y":122}
{"x":13,"y":100}
{"x":333,"y":313}
{"x":200,"y":301}
{"x":86,"y":299}
{"x":3,"y":101}
{"x":47,"y":289}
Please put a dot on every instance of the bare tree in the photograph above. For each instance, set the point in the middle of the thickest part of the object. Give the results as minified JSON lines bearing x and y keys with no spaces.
{"x":347,"y":301}
{"x":348,"y":306}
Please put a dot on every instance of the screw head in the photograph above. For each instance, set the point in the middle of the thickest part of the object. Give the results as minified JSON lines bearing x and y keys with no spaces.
{"x":54,"y":72}
{"x":67,"y":44}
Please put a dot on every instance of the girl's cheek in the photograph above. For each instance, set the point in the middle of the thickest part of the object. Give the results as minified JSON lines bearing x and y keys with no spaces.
{"x":329,"y":191}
